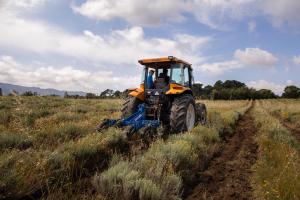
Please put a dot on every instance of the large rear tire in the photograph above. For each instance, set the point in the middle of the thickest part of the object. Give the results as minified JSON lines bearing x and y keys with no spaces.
{"x":183,"y":114}
{"x":130,"y":106}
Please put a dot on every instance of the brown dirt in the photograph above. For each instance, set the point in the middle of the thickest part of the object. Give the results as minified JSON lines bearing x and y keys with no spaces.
{"x":228,"y":174}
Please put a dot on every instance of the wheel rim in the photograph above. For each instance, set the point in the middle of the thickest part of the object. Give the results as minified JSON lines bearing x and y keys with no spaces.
{"x":190,"y":117}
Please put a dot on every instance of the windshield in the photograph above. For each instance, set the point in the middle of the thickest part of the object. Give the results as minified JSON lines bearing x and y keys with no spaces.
{"x":176,"y":74}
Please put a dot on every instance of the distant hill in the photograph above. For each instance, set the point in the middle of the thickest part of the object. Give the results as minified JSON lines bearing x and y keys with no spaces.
{"x":8,"y":88}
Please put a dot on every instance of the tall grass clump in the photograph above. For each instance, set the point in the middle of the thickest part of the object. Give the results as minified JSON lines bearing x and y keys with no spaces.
{"x":10,"y":140}
{"x":50,"y":137}
{"x":5,"y":117}
{"x":123,"y":180}
{"x":30,"y":117}
{"x":276,"y":172}
{"x":77,"y":158}
{"x":21,"y":173}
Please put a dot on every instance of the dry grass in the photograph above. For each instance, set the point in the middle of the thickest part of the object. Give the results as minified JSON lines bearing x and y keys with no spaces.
{"x":276,"y":173}
{"x":49,"y":145}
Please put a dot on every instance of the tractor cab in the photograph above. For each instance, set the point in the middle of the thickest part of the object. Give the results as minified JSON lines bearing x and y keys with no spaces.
{"x":167,"y":70}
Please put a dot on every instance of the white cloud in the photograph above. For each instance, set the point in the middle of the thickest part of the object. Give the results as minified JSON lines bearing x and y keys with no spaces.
{"x":218,"y":68}
{"x":296,"y":60}
{"x":251,"y":26}
{"x":256,"y":57}
{"x":137,"y":12}
{"x":20,"y":6}
{"x":217,"y":14}
{"x":61,"y":77}
{"x":212,"y":13}
{"x":263,"y":84}
{"x":282,"y":12}
{"x":251,"y":57}
{"x":118,"y":47}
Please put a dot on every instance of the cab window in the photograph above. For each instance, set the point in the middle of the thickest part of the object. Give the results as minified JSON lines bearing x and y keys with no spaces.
{"x":176,"y":74}
{"x":186,"y":77}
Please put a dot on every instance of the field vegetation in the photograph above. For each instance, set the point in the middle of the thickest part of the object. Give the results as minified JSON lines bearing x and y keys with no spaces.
{"x":276,"y":172}
{"x":49,"y":149}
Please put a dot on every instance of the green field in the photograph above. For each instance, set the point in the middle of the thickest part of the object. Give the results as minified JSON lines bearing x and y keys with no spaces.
{"x":50,"y":150}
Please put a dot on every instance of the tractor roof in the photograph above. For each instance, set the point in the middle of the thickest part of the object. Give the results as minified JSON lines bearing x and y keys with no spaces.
{"x":163,"y":60}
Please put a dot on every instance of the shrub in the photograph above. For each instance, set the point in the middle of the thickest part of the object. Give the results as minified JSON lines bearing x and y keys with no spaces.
{"x":122,"y":180}
{"x":78,"y":157}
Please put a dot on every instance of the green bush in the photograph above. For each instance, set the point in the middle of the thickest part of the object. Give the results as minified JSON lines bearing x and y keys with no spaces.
{"x":122,"y":180}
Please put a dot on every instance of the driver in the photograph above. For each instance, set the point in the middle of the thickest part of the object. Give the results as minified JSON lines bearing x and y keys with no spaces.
{"x":150,"y":79}
{"x":164,"y":75}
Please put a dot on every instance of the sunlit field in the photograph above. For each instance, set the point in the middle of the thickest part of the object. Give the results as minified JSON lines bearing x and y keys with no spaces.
{"x":49,"y":149}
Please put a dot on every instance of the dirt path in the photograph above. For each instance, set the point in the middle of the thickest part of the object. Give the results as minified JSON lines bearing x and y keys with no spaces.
{"x":227,"y":176}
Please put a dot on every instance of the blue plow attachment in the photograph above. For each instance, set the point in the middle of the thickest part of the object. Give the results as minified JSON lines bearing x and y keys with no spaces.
{"x":136,"y":121}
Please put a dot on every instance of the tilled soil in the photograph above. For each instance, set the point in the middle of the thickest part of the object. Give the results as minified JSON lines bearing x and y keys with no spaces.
{"x":228,"y":174}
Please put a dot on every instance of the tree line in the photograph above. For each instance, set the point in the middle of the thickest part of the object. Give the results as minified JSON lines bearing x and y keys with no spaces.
{"x":232,"y":89}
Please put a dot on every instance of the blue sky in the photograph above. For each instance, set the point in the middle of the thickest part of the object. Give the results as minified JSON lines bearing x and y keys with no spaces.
{"x":91,"y":45}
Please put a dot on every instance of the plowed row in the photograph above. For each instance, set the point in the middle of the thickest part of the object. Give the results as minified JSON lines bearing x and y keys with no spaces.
{"x":228,"y":174}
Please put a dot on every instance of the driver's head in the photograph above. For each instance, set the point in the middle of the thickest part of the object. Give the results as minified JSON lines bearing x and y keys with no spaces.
{"x":151,"y":72}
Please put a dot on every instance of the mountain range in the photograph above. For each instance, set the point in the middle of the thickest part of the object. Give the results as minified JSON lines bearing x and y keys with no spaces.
{"x":8,"y":88}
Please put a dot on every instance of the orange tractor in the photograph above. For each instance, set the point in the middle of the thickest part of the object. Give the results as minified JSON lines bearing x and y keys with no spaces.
{"x":165,"y":97}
